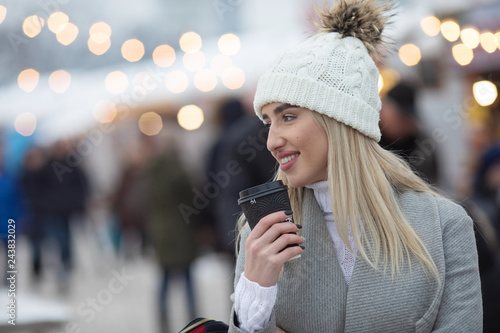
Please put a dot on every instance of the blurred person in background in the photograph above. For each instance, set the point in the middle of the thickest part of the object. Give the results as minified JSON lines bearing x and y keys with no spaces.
{"x":31,"y":179}
{"x":64,"y":193}
{"x":399,"y":124}
{"x":229,"y":113}
{"x":486,"y":192}
{"x":173,"y":239}
{"x":128,"y":204}
{"x":243,"y":144}
{"x":484,"y":207}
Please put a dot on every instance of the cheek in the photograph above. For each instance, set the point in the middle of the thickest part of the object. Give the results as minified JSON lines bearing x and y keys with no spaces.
{"x":318,"y":144}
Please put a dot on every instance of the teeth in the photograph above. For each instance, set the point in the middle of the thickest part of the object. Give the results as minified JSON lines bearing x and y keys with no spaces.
{"x":288,"y":158}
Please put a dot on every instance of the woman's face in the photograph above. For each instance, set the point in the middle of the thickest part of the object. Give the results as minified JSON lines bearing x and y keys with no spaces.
{"x":297,"y":143}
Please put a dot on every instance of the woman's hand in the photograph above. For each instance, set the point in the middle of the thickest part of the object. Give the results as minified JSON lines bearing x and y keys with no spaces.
{"x":279,"y":330}
{"x":265,"y":251}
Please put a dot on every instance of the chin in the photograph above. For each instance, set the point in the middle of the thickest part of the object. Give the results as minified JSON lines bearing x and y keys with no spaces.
{"x":292,"y":182}
{"x":301,"y":182}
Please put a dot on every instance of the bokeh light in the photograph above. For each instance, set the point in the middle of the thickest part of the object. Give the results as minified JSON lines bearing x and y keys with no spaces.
{"x":488,"y":42}
{"x":28,"y":79}
{"x":233,"y":77}
{"x":33,"y":25}
{"x":450,"y":30}
{"x":380,"y":83}
{"x":164,"y":56}
{"x":497,"y":35}
{"x":99,"y":38}
{"x":133,"y":50}
{"x":205,"y":80}
{"x":485,"y":92}
{"x":190,"y":42}
{"x":68,"y":34}
{"x":220,"y":62}
{"x":229,"y":44}
{"x":100,"y":32}
{"x":25,"y":124}
{"x":150,"y":123}
{"x":3,"y":13}
{"x":470,"y":37}
{"x":57,"y":21}
{"x":105,"y":111}
{"x":176,"y":81}
{"x":390,"y":77}
{"x":462,"y":54}
{"x":430,"y":25}
{"x":98,"y":49}
{"x":116,"y":82}
{"x":59,"y":81}
{"x":194,"y":61}
{"x":410,"y":54}
{"x":190,"y":117}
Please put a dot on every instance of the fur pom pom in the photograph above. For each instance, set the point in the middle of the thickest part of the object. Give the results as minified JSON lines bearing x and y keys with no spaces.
{"x":362,"y":19}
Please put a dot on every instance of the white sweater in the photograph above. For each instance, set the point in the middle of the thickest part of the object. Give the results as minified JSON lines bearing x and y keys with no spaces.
{"x":253,"y":303}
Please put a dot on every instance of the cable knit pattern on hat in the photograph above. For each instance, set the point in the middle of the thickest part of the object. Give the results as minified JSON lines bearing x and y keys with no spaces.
{"x":328,"y":74}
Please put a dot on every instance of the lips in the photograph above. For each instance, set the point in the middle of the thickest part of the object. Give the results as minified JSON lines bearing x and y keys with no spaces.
{"x":286,"y":162}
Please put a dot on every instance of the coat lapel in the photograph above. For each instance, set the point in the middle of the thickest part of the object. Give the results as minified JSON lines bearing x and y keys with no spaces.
{"x":378,"y":302}
{"x":321,"y":240}
{"x":321,"y":243}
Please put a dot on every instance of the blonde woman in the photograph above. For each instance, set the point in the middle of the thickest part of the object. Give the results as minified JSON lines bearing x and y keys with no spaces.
{"x":380,"y":250}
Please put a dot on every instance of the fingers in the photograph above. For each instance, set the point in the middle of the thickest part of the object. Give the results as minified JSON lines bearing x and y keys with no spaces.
{"x":271,"y":222}
{"x":271,"y":235}
{"x":284,"y":241}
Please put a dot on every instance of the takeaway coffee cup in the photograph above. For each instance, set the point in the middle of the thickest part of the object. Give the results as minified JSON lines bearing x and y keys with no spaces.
{"x":259,"y":201}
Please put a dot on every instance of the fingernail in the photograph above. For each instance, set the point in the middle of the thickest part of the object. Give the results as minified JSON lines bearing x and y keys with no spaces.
{"x":288,"y":212}
{"x":299,"y":226}
{"x":302,"y":247}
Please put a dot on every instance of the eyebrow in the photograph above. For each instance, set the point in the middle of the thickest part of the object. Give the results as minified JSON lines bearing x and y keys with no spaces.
{"x":279,"y":109}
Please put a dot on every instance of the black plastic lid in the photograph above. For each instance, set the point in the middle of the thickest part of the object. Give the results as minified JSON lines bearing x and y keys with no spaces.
{"x":266,"y":188}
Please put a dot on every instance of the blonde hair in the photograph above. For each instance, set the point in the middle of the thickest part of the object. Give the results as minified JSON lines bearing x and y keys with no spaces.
{"x":364,"y":180}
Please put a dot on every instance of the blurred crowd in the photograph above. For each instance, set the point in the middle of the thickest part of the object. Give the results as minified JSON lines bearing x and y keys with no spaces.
{"x":160,"y":206}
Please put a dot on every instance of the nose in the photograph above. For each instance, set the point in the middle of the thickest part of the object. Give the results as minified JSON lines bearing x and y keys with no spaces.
{"x":275,"y":140}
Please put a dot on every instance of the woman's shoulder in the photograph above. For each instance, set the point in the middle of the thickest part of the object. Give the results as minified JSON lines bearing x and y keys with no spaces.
{"x":444,"y":208}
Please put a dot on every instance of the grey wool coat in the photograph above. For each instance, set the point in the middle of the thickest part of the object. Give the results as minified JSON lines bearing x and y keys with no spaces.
{"x":314,"y":297}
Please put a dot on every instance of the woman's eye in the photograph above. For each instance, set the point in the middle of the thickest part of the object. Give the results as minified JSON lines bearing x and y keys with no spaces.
{"x":268,"y":125}
{"x":288,"y":118}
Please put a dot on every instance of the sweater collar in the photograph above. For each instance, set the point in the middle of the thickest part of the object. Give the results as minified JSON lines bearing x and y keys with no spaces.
{"x":322,"y":194}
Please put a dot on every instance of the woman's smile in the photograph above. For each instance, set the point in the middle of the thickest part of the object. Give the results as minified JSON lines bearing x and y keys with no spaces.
{"x":287,"y":161}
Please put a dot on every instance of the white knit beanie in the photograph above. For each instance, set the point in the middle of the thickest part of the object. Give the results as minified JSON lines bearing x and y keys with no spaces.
{"x":332,"y":72}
